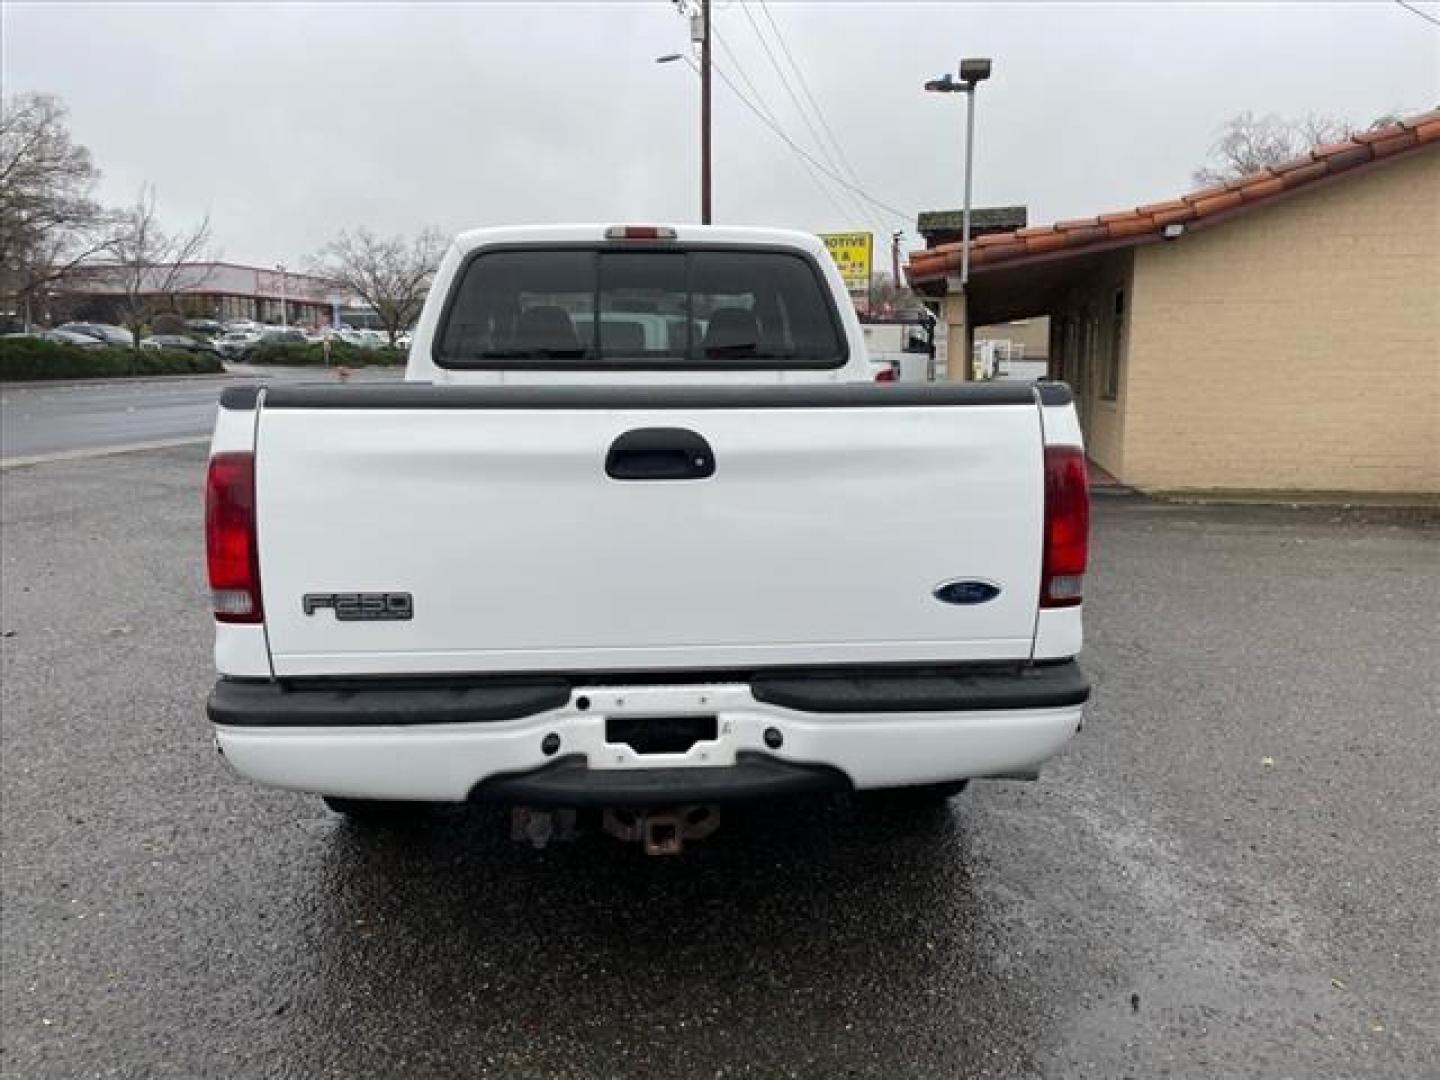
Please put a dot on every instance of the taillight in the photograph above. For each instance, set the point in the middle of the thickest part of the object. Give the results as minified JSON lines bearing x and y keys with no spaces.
{"x":1067,"y":527}
{"x":887,"y":374}
{"x":231,"y":553}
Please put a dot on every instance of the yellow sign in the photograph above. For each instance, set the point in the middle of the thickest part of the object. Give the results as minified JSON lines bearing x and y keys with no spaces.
{"x":851,"y":252}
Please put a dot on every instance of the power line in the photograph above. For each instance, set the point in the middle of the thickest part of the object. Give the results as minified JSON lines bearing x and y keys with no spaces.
{"x":804,"y":116}
{"x":1423,"y":14}
{"x":770,"y":113}
{"x":805,"y":89}
{"x":898,"y":214}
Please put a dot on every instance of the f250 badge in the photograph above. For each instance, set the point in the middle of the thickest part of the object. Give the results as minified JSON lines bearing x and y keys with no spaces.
{"x":362,"y":606}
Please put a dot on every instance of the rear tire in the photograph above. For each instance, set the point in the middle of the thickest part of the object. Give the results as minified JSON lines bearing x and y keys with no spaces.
{"x":375,"y":811}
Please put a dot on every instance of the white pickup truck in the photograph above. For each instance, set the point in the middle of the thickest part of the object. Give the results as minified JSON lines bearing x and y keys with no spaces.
{"x":639,"y":532}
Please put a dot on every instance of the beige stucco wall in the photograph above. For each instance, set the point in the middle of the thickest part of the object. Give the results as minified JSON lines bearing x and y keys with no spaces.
{"x":1294,"y":347}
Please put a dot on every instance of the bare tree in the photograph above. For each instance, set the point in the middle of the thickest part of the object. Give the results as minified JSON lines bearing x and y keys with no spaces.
{"x":886,"y":296}
{"x":148,"y":266}
{"x":391,"y":274}
{"x":1249,"y":143}
{"x":49,"y":224}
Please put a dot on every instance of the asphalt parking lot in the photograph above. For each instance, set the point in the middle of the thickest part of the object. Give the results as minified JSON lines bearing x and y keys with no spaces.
{"x":1231,"y":872}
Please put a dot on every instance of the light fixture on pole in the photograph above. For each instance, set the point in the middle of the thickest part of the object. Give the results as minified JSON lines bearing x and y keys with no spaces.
{"x":973,"y":71}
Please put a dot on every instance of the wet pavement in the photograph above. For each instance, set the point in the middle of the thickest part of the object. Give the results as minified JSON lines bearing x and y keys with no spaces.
{"x":1231,"y":872}
{"x":65,"y":417}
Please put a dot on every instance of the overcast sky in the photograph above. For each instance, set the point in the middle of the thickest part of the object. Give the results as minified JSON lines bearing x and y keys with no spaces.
{"x":289,"y":123}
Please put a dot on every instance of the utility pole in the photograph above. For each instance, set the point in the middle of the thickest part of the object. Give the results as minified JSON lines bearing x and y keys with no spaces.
{"x":895,"y":257}
{"x":699,"y":18}
{"x":705,"y":215}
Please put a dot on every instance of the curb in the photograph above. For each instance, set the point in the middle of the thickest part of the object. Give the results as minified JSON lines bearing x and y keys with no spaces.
{"x":148,"y":380}
{"x":101,"y":451}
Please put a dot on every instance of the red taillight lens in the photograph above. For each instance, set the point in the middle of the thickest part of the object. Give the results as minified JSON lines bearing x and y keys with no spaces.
{"x":885,"y":374}
{"x":1067,"y":527}
{"x":230,"y":550}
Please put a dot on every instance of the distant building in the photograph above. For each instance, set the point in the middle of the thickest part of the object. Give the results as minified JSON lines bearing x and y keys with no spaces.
{"x":948,"y":226}
{"x":1278,"y":333}
{"x":209,"y":290}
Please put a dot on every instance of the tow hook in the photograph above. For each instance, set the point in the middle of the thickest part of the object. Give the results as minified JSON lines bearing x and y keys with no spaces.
{"x":663,"y":831}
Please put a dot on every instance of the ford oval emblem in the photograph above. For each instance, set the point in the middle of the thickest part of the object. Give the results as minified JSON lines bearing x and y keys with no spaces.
{"x":966,"y":592}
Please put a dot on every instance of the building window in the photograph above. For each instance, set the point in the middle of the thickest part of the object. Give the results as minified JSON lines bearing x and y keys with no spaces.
{"x":1110,"y":375}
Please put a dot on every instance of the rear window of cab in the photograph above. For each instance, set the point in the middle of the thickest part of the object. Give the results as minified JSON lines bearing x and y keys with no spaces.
{"x":651,"y":308}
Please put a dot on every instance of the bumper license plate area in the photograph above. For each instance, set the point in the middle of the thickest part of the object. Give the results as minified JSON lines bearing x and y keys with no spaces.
{"x":660,"y":734}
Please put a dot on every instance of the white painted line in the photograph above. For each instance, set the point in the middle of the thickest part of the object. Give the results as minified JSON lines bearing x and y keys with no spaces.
{"x":101,"y":451}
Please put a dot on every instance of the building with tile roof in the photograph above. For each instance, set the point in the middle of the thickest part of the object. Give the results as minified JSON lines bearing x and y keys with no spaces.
{"x":1280,"y":332}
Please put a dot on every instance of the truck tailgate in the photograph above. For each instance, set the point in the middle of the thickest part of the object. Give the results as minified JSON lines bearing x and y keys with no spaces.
{"x":829,"y":518}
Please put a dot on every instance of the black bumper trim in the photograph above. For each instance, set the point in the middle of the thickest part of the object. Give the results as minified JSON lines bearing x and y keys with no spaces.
{"x":571,"y":782}
{"x":1048,"y":686}
{"x":261,"y":704}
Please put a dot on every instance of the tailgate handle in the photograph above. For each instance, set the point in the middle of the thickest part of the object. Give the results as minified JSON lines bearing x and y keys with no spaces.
{"x":660,"y":454}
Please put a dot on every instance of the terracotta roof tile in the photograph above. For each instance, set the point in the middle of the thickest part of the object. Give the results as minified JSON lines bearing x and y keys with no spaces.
{"x":1332,"y":148}
{"x":1159,"y":207}
{"x":1262,"y":189}
{"x":1083,"y":234}
{"x":1251,"y":178}
{"x":1215,"y":203}
{"x":1393,"y":144}
{"x":1048,"y":240}
{"x":1287,"y":167}
{"x":1169,"y":217}
{"x":1000,"y":252}
{"x":1090,"y":234}
{"x":1349,"y":158}
{"x":1312,"y":170}
{"x":1134,"y":225}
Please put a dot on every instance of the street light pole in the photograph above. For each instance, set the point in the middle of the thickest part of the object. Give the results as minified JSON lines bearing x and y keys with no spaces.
{"x":969,"y":171}
{"x":973,"y":71}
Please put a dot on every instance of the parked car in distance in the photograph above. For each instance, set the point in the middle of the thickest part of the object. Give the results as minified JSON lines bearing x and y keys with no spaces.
{"x":208,"y":327}
{"x":240,"y":326}
{"x":178,"y":341}
{"x":234,"y":343}
{"x":104,"y":332}
{"x":360,"y":339}
{"x":272,"y":335}
{"x":61,"y":337}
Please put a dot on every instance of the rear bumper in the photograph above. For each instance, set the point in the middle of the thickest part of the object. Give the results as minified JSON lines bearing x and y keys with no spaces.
{"x":449,"y":745}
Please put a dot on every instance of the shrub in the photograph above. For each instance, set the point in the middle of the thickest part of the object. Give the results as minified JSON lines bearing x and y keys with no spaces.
{"x":341,"y":355}
{"x":33,"y":358}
